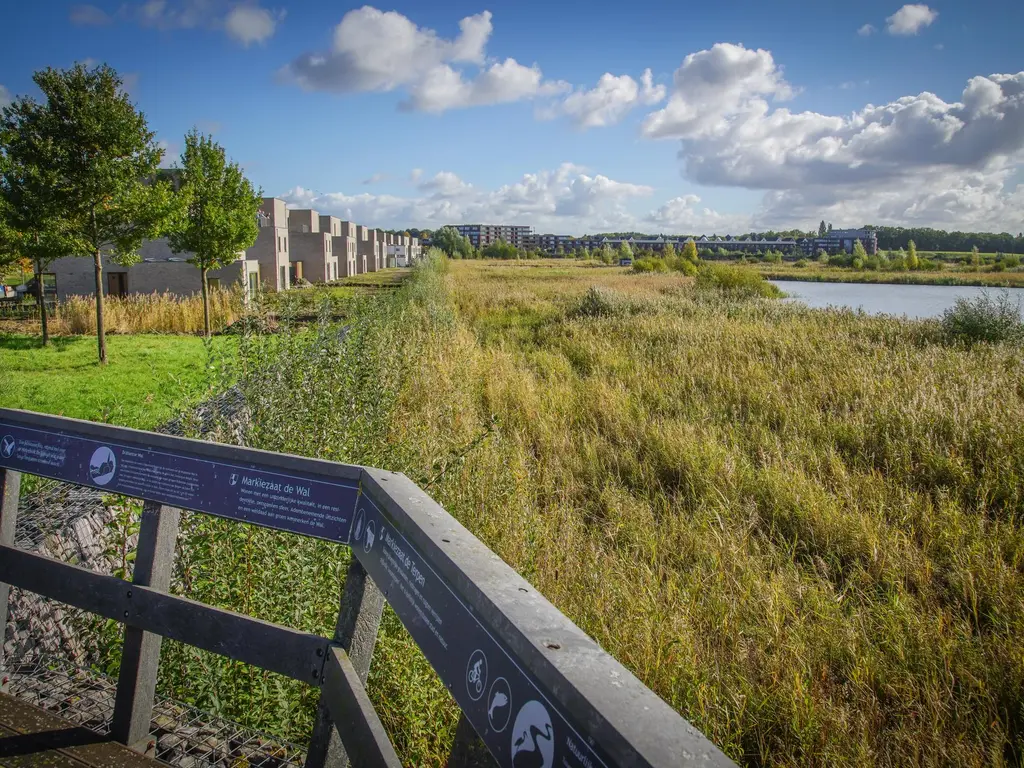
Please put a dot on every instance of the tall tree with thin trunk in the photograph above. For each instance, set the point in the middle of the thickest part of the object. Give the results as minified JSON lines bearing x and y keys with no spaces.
{"x":27,"y":233}
{"x":92,"y":162}
{"x":218,"y":205}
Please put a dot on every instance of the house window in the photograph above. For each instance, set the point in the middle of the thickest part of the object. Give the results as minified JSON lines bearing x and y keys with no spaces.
{"x":286,"y":243}
{"x":284,"y":278}
{"x":213,"y":283}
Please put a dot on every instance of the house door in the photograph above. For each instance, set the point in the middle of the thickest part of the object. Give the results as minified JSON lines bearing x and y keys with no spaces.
{"x":117,"y":283}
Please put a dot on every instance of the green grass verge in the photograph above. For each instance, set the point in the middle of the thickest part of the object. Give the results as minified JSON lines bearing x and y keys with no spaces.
{"x":144,"y":384}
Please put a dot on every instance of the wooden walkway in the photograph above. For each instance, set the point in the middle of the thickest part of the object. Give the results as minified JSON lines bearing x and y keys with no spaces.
{"x":33,"y":738}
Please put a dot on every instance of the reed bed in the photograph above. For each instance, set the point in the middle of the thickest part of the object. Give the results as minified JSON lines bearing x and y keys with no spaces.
{"x":146,"y":313}
{"x":801,"y":528}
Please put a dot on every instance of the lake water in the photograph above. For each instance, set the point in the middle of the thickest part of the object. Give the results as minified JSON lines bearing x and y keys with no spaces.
{"x":915,"y":301}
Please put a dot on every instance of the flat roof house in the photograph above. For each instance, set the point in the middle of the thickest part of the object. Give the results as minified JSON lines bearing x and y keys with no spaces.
{"x":343,"y":243}
{"x":271,"y":246}
{"x":159,"y":271}
{"x":368,"y":249}
{"x":312,"y":251}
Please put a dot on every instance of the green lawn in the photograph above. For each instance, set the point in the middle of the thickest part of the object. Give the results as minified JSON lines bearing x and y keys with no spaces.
{"x":145,"y":383}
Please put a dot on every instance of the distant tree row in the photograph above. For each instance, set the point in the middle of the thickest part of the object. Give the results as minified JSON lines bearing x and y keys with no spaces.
{"x":80,"y":176}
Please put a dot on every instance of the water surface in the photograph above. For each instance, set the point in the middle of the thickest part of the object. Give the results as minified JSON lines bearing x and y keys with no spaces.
{"x":914,"y":301}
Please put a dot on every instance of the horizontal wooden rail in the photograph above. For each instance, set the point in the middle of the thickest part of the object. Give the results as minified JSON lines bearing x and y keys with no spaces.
{"x":288,"y":652}
{"x":526,"y":678}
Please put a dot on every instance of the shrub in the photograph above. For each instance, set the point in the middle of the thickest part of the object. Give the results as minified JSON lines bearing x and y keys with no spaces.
{"x":801,"y":263}
{"x":735,"y":281}
{"x":985,"y":318}
{"x":599,"y":302}
{"x":649,"y":264}
{"x":1011,"y":261}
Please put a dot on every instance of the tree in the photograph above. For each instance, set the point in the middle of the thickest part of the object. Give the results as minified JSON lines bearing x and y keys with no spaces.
{"x":829,"y":227}
{"x":218,"y":206}
{"x":451,"y":242}
{"x":29,"y":234}
{"x":822,"y":229}
{"x":690,"y":251}
{"x":625,"y":251}
{"x":669,"y":251}
{"x":858,"y":250}
{"x":91,"y":162}
{"x":913,"y":262}
{"x":975,"y":257}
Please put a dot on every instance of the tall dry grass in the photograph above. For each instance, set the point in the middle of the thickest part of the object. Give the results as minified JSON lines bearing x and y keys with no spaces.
{"x":802,"y":529}
{"x":146,"y":313}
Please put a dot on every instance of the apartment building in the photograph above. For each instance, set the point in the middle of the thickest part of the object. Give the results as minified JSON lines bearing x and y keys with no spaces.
{"x":842,"y":240}
{"x":271,"y":246}
{"x":159,"y":270}
{"x":343,"y":243}
{"x":480,"y":235}
{"x":311,"y":251}
{"x":368,"y":249}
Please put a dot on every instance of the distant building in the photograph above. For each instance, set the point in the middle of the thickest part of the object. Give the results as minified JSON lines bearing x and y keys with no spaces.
{"x":271,"y":246}
{"x":159,"y":271}
{"x":312,"y":254}
{"x":480,"y":235}
{"x":842,"y":240}
{"x":343,"y":243}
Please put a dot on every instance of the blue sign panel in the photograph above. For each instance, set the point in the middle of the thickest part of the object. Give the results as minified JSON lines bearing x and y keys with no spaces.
{"x":296,"y":502}
{"x":519,"y":724}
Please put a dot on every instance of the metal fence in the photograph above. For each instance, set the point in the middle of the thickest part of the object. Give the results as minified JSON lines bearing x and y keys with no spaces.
{"x":531,"y":685}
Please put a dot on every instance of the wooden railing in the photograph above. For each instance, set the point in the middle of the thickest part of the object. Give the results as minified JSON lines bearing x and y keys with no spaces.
{"x":531,"y":685}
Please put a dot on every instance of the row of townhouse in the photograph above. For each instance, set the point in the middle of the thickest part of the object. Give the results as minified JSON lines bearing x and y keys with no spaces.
{"x":292,"y":245}
{"x":836,"y":240}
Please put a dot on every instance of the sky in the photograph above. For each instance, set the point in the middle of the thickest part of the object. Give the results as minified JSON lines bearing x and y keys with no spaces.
{"x":577,"y":118}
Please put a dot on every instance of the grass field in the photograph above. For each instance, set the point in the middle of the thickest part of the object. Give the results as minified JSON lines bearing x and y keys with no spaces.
{"x":802,"y":529}
{"x":147,"y":380}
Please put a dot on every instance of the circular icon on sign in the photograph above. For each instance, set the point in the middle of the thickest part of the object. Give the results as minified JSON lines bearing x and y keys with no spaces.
{"x":357,"y":529}
{"x":102,"y":466}
{"x":371,"y":536}
{"x":476,"y":674}
{"x":7,"y":446}
{"x":499,"y":704}
{"x":532,"y":737}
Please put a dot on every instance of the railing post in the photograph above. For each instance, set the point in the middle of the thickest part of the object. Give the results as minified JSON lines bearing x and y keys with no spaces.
{"x":136,"y":684}
{"x":362,"y":605}
{"x":10,"y":490}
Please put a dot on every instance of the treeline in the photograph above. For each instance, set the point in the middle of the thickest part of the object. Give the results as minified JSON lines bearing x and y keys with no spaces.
{"x":928,"y":239}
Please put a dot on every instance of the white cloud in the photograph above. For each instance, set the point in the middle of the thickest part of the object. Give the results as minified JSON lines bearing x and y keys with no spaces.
{"x":376,"y":178}
{"x":251,"y":24}
{"x":374,"y":50}
{"x":89,"y":16}
{"x":866,"y":30}
{"x":910,"y":19}
{"x":415,"y":175}
{"x":712,"y":84}
{"x":567,"y":199}
{"x":245,"y":22}
{"x":917,"y":158}
{"x":5,"y":97}
{"x":608,"y":102}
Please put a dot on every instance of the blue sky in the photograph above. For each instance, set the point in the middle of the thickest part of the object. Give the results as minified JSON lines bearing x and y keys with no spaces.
{"x":640,"y":115}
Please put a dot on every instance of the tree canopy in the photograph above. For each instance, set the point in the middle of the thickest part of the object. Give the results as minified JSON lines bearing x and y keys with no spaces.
{"x":90,"y":160}
{"x":217,"y":205}
{"x":451,"y":242}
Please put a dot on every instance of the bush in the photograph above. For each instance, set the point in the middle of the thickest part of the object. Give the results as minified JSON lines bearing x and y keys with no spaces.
{"x":649,"y":264}
{"x":985,"y":318}
{"x":735,"y":281}
{"x":599,"y":302}
{"x":801,"y":263}
{"x":1011,"y":261}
